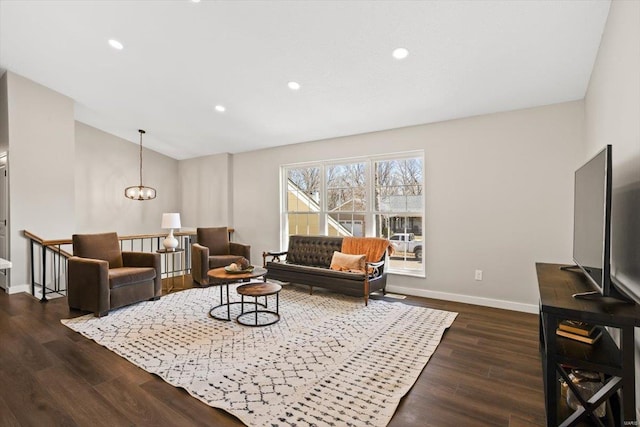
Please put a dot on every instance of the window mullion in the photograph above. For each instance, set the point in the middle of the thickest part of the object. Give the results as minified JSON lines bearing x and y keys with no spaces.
{"x":370,"y":205}
{"x":323,"y":201}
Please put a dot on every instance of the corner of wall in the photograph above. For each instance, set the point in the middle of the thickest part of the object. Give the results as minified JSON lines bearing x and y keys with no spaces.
{"x":230,"y":196}
{"x":4,"y":114}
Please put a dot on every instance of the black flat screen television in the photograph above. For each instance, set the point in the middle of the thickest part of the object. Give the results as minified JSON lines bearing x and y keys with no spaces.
{"x":592,"y":221}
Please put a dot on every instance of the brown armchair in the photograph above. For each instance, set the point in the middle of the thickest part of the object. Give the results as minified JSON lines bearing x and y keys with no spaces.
{"x":101,"y":277}
{"x":214,"y":250}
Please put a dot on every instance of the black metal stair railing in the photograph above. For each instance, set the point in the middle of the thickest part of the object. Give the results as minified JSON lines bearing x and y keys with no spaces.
{"x":47,"y":261}
{"x":48,"y":258}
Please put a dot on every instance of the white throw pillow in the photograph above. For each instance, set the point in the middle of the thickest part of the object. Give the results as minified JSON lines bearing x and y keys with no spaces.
{"x":347,"y":262}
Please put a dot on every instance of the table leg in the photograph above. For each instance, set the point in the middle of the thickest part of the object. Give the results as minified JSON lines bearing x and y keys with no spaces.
{"x":184,"y":261}
{"x":173,"y":267}
{"x":227,"y":302}
{"x":222,"y":302}
{"x":228,"y":305}
{"x":166,"y":268}
{"x":628,"y":381}
{"x":255,"y":300}
{"x":550,"y":323}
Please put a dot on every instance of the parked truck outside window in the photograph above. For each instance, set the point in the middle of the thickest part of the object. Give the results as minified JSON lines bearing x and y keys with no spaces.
{"x":406,"y":244}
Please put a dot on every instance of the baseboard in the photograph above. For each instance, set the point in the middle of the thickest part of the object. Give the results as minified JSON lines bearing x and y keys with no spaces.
{"x":487,"y":302}
{"x":16,"y":289}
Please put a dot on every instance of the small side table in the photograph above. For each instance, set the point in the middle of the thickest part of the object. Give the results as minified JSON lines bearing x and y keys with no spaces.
{"x":255,"y":290}
{"x":221,"y":277}
{"x":173,"y":271}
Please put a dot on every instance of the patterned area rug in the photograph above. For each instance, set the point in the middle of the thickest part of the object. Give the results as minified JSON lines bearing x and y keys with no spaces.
{"x":329,"y":361}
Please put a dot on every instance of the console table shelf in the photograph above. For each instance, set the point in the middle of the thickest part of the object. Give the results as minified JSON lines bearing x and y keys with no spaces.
{"x":560,"y":354}
{"x":603,"y":356}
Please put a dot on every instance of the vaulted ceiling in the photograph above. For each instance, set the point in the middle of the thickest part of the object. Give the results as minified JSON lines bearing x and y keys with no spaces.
{"x":181,"y":59}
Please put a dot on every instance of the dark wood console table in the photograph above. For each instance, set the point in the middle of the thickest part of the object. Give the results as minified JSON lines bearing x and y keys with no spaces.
{"x":560,"y":354}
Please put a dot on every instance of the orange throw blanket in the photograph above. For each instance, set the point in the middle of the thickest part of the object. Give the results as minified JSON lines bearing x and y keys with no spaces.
{"x":372,"y":247}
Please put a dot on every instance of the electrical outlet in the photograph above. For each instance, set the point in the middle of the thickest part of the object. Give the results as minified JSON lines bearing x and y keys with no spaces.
{"x":478,"y":274}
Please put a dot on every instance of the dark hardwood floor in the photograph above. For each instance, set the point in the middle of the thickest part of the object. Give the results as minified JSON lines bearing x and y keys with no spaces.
{"x":485,"y":372}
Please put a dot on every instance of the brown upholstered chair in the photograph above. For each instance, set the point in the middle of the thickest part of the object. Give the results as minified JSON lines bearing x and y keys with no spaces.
{"x":101,"y":277}
{"x":214,"y":250}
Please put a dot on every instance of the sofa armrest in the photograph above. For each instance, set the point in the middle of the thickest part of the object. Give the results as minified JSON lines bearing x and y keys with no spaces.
{"x":200,"y":263}
{"x":146,"y":259}
{"x":141,"y":259}
{"x":375,"y":269}
{"x":275,"y":257}
{"x":240,"y":250}
{"x":88,"y":284}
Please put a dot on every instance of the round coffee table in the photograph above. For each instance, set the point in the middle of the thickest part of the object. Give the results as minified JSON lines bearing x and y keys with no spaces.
{"x":256,"y":290}
{"x":221,"y":277}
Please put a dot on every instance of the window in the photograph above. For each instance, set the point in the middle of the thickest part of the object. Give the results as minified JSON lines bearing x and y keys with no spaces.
{"x":381,"y":196}
{"x":399,"y":209}
{"x":303,"y":201}
{"x":347,"y":197}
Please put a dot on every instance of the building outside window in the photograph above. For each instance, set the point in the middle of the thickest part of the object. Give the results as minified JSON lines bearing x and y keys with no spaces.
{"x":380,"y":196}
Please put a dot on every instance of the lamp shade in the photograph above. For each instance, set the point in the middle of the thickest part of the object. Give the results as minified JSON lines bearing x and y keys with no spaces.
{"x":170,"y":220}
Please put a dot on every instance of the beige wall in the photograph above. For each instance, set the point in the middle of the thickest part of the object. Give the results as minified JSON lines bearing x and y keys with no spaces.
{"x":499,"y":197}
{"x":612,"y":116}
{"x":205,"y":191}
{"x":41,"y":168}
{"x":66,"y":177}
{"x":104,"y":166}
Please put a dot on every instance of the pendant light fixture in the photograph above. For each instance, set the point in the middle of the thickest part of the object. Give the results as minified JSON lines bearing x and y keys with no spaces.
{"x":140,"y":192}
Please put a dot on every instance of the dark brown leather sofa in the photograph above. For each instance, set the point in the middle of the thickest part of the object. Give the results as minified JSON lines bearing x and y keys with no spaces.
{"x":214,"y":250}
{"x":101,"y":277}
{"x":308,"y":259}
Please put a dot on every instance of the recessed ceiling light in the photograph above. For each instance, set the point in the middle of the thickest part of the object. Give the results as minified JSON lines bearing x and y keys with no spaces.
{"x":220,"y":108}
{"x":400,"y":53}
{"x":115,"y":44}
{"x":294,"y":85}
{"x":195,"y":1}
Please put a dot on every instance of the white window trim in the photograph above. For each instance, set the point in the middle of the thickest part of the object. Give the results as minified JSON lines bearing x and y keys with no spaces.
{"x":369,"y":212}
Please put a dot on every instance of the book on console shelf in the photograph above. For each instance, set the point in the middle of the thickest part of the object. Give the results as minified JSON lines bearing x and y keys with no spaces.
{"x":577,"y":327}
{"x":592,"y":338}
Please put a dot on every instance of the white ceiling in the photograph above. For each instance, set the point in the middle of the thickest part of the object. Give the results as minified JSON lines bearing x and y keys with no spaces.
{"x":181,"y":58}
